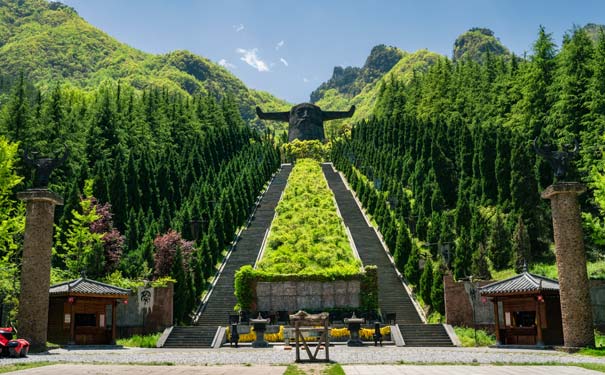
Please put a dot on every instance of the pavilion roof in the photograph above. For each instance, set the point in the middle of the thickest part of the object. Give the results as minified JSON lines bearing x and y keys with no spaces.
{"x":84,"y":286}
{"x":523,"y":283}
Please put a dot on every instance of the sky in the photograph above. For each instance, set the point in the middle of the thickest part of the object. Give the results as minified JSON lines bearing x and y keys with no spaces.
{"x":289,"y":48}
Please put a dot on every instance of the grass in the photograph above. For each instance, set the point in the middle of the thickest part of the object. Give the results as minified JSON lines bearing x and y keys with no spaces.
{"x":139,"y":341}
{"x":467,"y":337}
{"x":307,"y":236}
{"x":333,"y":369}
{"x":596,"y":270}
{"x":599,"y":349}
{"x":22,"y":366}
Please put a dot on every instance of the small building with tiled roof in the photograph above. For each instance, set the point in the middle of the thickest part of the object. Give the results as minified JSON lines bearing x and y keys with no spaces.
{"x":527,"y":310}
{"x":83,"y":311}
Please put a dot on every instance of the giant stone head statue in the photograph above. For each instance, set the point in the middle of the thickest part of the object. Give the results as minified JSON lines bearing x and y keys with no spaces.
{"x":305,"y":119}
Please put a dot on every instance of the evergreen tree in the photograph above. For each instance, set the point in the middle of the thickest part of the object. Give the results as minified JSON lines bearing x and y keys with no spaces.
{"x":426,"y":282}
{"x":521,"y":246}
{"x":411,"y":270}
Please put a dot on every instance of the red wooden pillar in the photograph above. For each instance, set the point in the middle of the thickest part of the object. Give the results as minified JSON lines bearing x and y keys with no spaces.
{"x":539,"y":339}
{"x":497,"y":321}
{"x":72,"y":324}
{"x":113,"y":322}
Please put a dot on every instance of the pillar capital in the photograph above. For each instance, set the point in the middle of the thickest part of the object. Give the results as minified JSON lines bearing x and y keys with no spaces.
{"x":40,"y":195}
{"x":563,"y":188}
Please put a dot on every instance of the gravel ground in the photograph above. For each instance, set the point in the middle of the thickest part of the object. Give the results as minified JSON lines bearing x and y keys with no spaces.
{"x":277,"y":355}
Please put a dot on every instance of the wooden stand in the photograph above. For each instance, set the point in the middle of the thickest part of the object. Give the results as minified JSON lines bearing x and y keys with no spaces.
{"x":319,"y":323}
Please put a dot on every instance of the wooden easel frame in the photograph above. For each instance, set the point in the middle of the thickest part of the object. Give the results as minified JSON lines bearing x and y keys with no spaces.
{"x":323,"y":339}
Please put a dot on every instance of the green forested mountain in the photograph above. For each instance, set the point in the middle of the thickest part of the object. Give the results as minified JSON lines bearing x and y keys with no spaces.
{"x":49,"y":42}
{"x":447,"y":158}
{"x":476,"y":43}
{"x":361,"y":86}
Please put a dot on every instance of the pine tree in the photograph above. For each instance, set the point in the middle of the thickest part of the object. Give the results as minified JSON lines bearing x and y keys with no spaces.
{"x":498,"y":245}
{"x":403,"y":247}
{"x":426,"y":282}
{"x":411,"y":271}
{"x":437,"y":301}
{"x":521,"y":246}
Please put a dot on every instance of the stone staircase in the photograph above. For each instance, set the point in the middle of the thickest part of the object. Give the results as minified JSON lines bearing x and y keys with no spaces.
{"x":425,"y":335}
{"x":392,"y":295}
{"x":190,"y":337}
{"x":222,"y":300}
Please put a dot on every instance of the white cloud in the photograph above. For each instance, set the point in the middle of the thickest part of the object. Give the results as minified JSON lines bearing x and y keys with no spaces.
{"x":279,"y":45}
{"x":239,"y":27}
{"x":250,"y":58}
{"x":283,"y":61}
{"x":226,"y":64}
{"x":305,"y":79}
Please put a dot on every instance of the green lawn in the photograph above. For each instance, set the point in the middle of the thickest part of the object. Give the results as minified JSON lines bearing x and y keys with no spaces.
{"x":467,"y":337}
{"x":138,"y":341}
{"x":307,"y":236}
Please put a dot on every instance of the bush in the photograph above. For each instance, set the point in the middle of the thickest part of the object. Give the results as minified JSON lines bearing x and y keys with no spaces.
{"x":369,"y":289}
{"x":467,"y":337}
{"x":138,"y":341}
{"x":245,"y":288}
{"x":313,"y":149}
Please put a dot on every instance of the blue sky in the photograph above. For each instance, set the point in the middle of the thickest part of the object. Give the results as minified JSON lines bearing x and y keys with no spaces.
{"x":289,"y":47}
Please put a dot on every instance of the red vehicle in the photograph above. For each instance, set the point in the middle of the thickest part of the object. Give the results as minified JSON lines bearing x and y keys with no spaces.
{"x":14,"y":348}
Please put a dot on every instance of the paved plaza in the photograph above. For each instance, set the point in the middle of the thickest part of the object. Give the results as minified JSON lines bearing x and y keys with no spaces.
{"x":277,"y":356}
{"x":90,"y":369}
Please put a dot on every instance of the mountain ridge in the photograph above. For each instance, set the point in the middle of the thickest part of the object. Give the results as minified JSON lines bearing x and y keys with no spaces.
{"x":50,"y":42}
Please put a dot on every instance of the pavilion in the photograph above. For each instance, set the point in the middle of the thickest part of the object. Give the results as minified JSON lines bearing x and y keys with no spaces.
{"x":83,"y":312}
{"x":527,"y":310}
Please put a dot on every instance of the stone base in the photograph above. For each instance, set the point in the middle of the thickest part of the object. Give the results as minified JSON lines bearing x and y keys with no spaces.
{"x":354,"y":342}
{"x":40,"y":195}
{"x":260,"y":344}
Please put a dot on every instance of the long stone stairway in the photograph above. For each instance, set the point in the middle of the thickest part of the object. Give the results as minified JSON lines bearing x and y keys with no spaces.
{"x":222,"y":300}
{"x":392,"y":295}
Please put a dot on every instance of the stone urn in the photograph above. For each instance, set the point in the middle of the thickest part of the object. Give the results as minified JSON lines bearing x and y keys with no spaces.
{"x":260,"y":326}
{"x":354,"y":325}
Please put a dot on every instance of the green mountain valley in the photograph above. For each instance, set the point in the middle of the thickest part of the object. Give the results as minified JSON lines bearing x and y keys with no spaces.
{"x":168,"y":164}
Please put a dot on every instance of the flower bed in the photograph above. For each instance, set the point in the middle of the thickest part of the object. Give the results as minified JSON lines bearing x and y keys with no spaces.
{"x":336,"y":334}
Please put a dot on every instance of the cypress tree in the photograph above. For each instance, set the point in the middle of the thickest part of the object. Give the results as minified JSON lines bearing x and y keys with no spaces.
{"x":411,"y":271}
{"x":426,"y":281}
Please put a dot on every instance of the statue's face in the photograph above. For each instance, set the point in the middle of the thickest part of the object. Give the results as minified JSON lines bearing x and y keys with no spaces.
{"x":305,"y":115}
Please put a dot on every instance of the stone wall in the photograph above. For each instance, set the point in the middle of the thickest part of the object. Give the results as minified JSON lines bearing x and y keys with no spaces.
{"x":148,"y":310}
{"x":459,"y":311}
{"x":458,"y":303}
{"x":312,"y":295}
{"x":597,"y":295}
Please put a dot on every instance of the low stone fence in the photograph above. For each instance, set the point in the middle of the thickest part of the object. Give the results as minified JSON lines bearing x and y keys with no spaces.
{"x":459,"y":305}
{"x":311,"y":295}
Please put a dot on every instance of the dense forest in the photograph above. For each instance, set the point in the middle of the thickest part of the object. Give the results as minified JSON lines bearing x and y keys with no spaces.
{"x":155,"y":185}
{"x":447,"y":158}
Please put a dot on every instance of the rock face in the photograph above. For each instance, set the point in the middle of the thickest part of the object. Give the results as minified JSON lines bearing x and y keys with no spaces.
{"x":576,"y":307}
{"x":351,"y":80}
{"x":35,"y":269}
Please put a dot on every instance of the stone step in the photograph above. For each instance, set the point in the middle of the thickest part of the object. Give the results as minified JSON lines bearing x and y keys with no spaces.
{"x":221,"y":301}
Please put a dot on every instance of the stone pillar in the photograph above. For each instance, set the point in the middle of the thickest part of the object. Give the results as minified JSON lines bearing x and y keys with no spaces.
{"x":576,"y":308}
{"x":35,"y":268}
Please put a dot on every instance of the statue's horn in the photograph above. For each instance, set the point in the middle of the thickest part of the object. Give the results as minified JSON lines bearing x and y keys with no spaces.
{"x":576,"y":146}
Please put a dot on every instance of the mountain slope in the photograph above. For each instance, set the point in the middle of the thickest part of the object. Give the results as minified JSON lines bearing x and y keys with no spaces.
{"x":335,"y":97}
{"x":50,"y":42}
{"x":475,"y":43}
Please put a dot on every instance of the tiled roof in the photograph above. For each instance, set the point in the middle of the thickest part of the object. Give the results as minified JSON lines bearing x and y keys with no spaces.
{"x":522,"y":283}
{"x":86,"y":286}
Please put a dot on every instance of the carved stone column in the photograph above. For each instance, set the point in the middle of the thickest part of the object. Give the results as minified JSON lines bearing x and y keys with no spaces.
{"x":35,"y":269}
{"x":576,"y":307}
